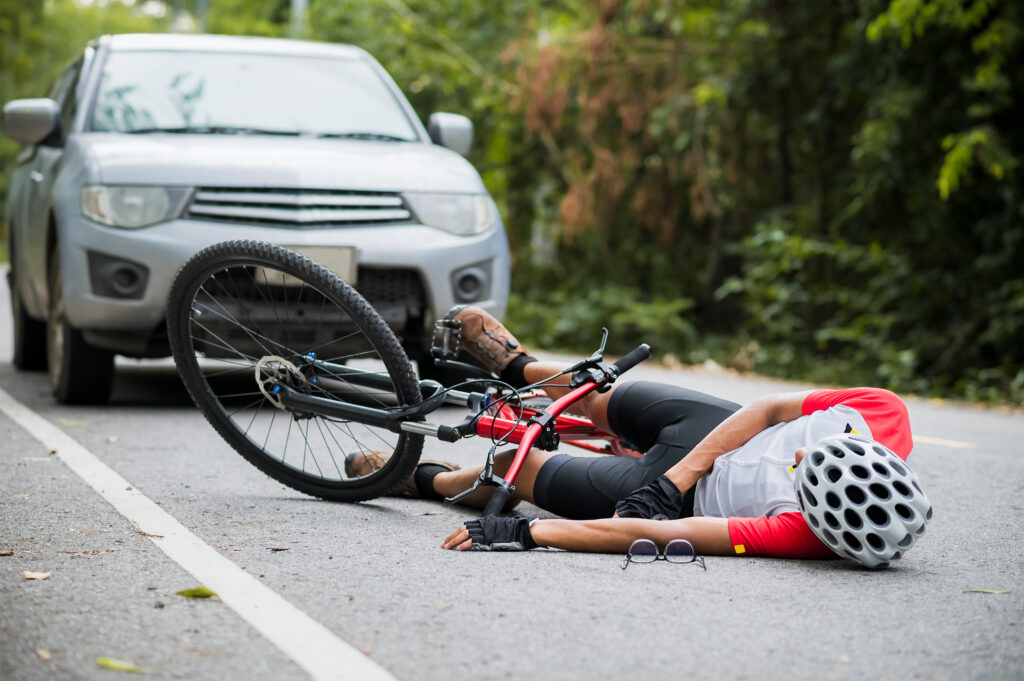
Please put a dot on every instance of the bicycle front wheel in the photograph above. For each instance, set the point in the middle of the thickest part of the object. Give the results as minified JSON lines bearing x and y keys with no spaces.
{"x":246,"y":316}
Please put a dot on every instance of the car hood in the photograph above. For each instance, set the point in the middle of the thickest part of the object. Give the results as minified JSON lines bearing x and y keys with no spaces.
{"x":263,"y":161}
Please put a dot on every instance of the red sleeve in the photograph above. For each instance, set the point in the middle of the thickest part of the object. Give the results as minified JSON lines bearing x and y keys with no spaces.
{"x":782,"y":536}
{"x":884,"y":412}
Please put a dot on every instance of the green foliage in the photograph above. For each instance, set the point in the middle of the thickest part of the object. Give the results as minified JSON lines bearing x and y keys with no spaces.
{"x":572,"y":317}
{"x":826,"y":309}
{"x":37,"y":39}
{"x":827,"y":191}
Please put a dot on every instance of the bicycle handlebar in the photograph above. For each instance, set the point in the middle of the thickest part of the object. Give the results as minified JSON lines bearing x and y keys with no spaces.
{"x":635,"y":356}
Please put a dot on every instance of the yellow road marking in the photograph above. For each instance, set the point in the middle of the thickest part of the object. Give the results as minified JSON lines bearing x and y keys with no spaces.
{"x":944,"y":443}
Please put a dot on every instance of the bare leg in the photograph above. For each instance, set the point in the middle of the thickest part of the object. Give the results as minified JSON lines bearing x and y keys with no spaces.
{"x":594,"y":406}
{"x":450,"y":483}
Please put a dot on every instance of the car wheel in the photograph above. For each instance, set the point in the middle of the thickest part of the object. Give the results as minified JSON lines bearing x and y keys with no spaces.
{"x":79,"y":373}
{"x":29,"y":334}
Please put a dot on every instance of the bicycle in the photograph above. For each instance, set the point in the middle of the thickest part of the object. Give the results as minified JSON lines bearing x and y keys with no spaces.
{"x":296,"y":371}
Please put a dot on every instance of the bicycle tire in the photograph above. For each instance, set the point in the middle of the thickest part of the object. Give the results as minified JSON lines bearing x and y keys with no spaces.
{"x":235,"y":304}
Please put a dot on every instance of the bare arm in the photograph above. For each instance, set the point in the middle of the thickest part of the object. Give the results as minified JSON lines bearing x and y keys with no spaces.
{"x":614,"y":535}
{"x":734,"y":432}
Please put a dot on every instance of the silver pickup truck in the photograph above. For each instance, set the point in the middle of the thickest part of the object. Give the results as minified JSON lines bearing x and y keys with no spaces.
{"x":149,"y":148}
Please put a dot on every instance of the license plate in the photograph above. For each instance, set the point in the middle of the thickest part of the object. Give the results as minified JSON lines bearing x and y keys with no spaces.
{"x":338,"y":259}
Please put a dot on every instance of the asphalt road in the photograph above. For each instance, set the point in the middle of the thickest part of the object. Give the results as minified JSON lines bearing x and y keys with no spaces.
{"x":373,"y":573}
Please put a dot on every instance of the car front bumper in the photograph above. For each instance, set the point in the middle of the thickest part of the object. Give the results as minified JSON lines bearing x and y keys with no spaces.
{"x":438,"y":260}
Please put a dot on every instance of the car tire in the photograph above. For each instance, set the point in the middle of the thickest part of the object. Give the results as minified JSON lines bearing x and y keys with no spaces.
{"x":29,"y":334}
{"x":79,"y":373}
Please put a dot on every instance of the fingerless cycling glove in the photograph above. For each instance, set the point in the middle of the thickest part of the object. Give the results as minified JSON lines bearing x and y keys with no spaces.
{"x":492,"y":533}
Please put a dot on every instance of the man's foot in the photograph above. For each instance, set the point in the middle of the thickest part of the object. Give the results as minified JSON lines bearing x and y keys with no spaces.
{"x":485,"y":338}
{"x":364,"y":463}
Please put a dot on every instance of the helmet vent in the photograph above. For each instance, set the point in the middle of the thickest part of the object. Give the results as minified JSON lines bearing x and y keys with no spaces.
{"x":904,"y":511}
{"x":852,"y":541}
{"x":881,"y":470}
{"x":813,"y":520}
{"x":855,"y":494}
{"x":809,"y":498}
{"x":881,"y":451}
{"x":836,"y":452}
{"x":898,"y":468}
{"x":902,"y":489}
{"x":855,"y":448}
{"x":812,"y":478}
{"x":833,"y":473}
{"x":833,"y":500}
{"x":917,"y":486}
{"x":831,"y":520}
{"x":817,"y":458}
{"x":928,"y":515}
{"x":829,"y":537}
{"x":880,"y":491}
{"x":853,"y":519}
{"x":860,"y":472}
{"x":906,"y":541}
{"x":874,"y":541}
{"x":878,"y":515}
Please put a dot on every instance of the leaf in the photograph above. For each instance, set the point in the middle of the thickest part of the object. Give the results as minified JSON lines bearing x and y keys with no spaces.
{"x":71,"y":423}
{"x":985,"y":591}
{"x":119,"y":665}
{"x":198,"y":592}
{"x":29,"y":574}
{"x":7,"y":552}
{"x":275,"y":549}
{"x":43,"y":654}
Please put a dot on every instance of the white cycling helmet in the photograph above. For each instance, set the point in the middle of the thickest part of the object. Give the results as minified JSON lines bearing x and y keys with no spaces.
{"x":860,"y":499}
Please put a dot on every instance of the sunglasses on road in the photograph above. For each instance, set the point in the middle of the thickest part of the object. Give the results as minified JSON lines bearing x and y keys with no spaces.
{"x":676,"y":551}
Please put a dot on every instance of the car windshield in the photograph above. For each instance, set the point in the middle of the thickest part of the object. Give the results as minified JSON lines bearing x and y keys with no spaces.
{"x":232,"y":93}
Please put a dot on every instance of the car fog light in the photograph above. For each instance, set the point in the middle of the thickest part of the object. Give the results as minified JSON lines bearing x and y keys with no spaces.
{"x":116,"y":278}
{"x":471,"y":283}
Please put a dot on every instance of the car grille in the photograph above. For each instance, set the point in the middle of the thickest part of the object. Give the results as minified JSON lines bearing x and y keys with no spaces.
{"x":383,"y":287}
{"x":297,"y":207}
{"x":398,"y":296}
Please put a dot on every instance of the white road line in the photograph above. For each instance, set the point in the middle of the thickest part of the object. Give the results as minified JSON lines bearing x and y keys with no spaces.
{"x":944,"y":443}
{"x":310,"y":644}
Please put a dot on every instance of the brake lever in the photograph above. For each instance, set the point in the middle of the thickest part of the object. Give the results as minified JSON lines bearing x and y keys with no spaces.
{"x":486,"y":477}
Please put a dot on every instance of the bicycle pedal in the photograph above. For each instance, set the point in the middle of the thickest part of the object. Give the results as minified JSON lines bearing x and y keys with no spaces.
{"x":447,"y":340}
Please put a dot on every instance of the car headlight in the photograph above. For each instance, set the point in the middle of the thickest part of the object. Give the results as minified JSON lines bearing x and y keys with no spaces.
{"x":131,"y":206}
{"x":462,"y":214}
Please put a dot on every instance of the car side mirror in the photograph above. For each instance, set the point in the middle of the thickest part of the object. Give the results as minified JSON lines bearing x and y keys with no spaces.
{"x":30,"y":121}
{"x":452,"y":131}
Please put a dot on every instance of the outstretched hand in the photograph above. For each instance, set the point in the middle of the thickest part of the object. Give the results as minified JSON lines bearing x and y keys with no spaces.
{"x":458,"y":540}
{"x":491,"y":533}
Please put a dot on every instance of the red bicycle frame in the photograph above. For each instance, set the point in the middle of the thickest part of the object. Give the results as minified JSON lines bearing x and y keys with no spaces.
{"x":509,"y":424}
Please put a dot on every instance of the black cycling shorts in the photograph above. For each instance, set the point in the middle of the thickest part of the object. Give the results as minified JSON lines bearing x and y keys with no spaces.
{"x":663,"y":421}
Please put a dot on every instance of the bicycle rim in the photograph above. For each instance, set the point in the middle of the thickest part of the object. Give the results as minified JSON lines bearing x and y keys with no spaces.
{"x":244,"y":316}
